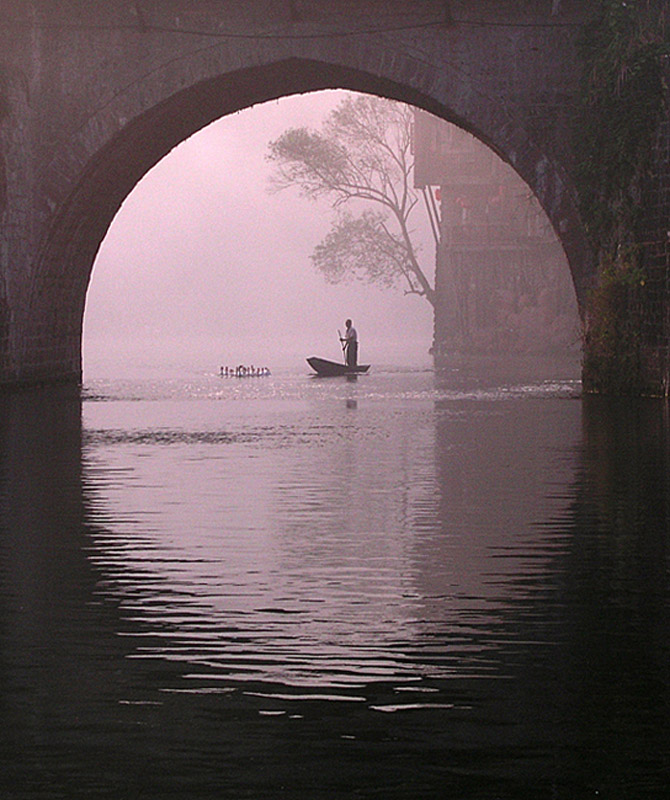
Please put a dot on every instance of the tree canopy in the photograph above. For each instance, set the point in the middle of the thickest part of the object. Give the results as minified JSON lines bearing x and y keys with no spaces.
{"x":362,"y":156}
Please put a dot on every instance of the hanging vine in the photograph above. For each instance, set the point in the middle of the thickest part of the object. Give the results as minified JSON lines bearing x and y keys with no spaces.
{"x":620,"y":106}
{"x":4,"y":114}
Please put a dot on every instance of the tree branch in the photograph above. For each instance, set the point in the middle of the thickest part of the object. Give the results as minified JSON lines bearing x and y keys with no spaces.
{"x":362,"y":155}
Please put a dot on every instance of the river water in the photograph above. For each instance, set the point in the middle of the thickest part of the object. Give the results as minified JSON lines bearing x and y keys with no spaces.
{"x":409,"y":585}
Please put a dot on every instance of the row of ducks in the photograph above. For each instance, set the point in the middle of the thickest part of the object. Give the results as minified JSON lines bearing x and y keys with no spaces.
{"x":244,"y":372}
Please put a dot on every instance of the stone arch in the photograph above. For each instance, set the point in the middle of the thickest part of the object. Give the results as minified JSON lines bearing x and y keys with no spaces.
{"x":87,"y":178}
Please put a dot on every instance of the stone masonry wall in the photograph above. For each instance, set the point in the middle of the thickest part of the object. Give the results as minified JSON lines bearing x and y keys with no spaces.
{"x":654,"y":296}
{"x":99,"y":94}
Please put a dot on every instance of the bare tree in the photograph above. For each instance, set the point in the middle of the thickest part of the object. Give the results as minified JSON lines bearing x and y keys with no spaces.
{"x":361,"y":157}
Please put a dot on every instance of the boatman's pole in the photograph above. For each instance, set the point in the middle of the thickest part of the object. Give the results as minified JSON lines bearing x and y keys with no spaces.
{"x":343,"y":344}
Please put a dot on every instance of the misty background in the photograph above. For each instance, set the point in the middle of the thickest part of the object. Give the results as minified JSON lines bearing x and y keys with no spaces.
{"x":203,"y":267}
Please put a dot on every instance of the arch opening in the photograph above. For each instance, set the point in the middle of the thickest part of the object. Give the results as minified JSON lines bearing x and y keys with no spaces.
{"x":113,"y":170}
{"x":221,"y":269}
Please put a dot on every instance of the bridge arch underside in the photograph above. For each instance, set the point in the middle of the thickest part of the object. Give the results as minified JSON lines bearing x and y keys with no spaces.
{"x":99,"y":167}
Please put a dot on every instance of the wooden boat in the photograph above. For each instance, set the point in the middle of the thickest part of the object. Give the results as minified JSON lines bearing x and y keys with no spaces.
{"x":329,"y":369}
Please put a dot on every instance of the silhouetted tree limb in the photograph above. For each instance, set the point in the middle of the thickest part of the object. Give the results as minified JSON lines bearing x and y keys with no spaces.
{"x":361,"y":155}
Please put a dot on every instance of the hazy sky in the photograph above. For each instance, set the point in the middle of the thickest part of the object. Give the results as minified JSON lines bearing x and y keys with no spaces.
{"x":202,"y":266}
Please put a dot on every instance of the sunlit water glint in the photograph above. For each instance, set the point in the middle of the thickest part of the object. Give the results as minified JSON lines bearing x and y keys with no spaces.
{"x":406,"y":586}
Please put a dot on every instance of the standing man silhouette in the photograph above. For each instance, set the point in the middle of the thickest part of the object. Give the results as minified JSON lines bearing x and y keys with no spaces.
{"x":350,"y":344}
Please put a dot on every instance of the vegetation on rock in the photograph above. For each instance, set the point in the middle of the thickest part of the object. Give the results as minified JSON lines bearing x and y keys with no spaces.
{"x":620,"y":106}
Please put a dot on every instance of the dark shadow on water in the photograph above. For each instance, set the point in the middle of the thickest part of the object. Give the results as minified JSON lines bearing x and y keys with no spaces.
{"x":553,"y":629}
{"x":482,"y":371}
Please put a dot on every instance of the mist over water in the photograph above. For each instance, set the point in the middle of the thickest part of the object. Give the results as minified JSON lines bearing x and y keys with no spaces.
{"x":203,"y":266}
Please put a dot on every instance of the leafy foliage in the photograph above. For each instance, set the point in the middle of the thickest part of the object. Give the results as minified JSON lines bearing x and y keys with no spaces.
{"x":620,"y":106}
{"x":362,"y":155}
{"x":621,"y":103}
{"x":612,"y":361}
{"x":4,"y":100}
{"x":308,"y":159}
{"x":363,"y":247}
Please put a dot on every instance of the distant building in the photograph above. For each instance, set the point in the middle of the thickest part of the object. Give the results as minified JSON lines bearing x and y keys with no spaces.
{"x":502,"y":281}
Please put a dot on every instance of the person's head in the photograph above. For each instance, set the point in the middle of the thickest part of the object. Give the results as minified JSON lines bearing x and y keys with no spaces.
{"x":348,"y":323}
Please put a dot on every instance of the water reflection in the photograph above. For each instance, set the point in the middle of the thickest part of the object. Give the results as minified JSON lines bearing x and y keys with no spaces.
{"x":614,"y":598}
{"x":437,"y":597}
{"x":61,"y":662}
